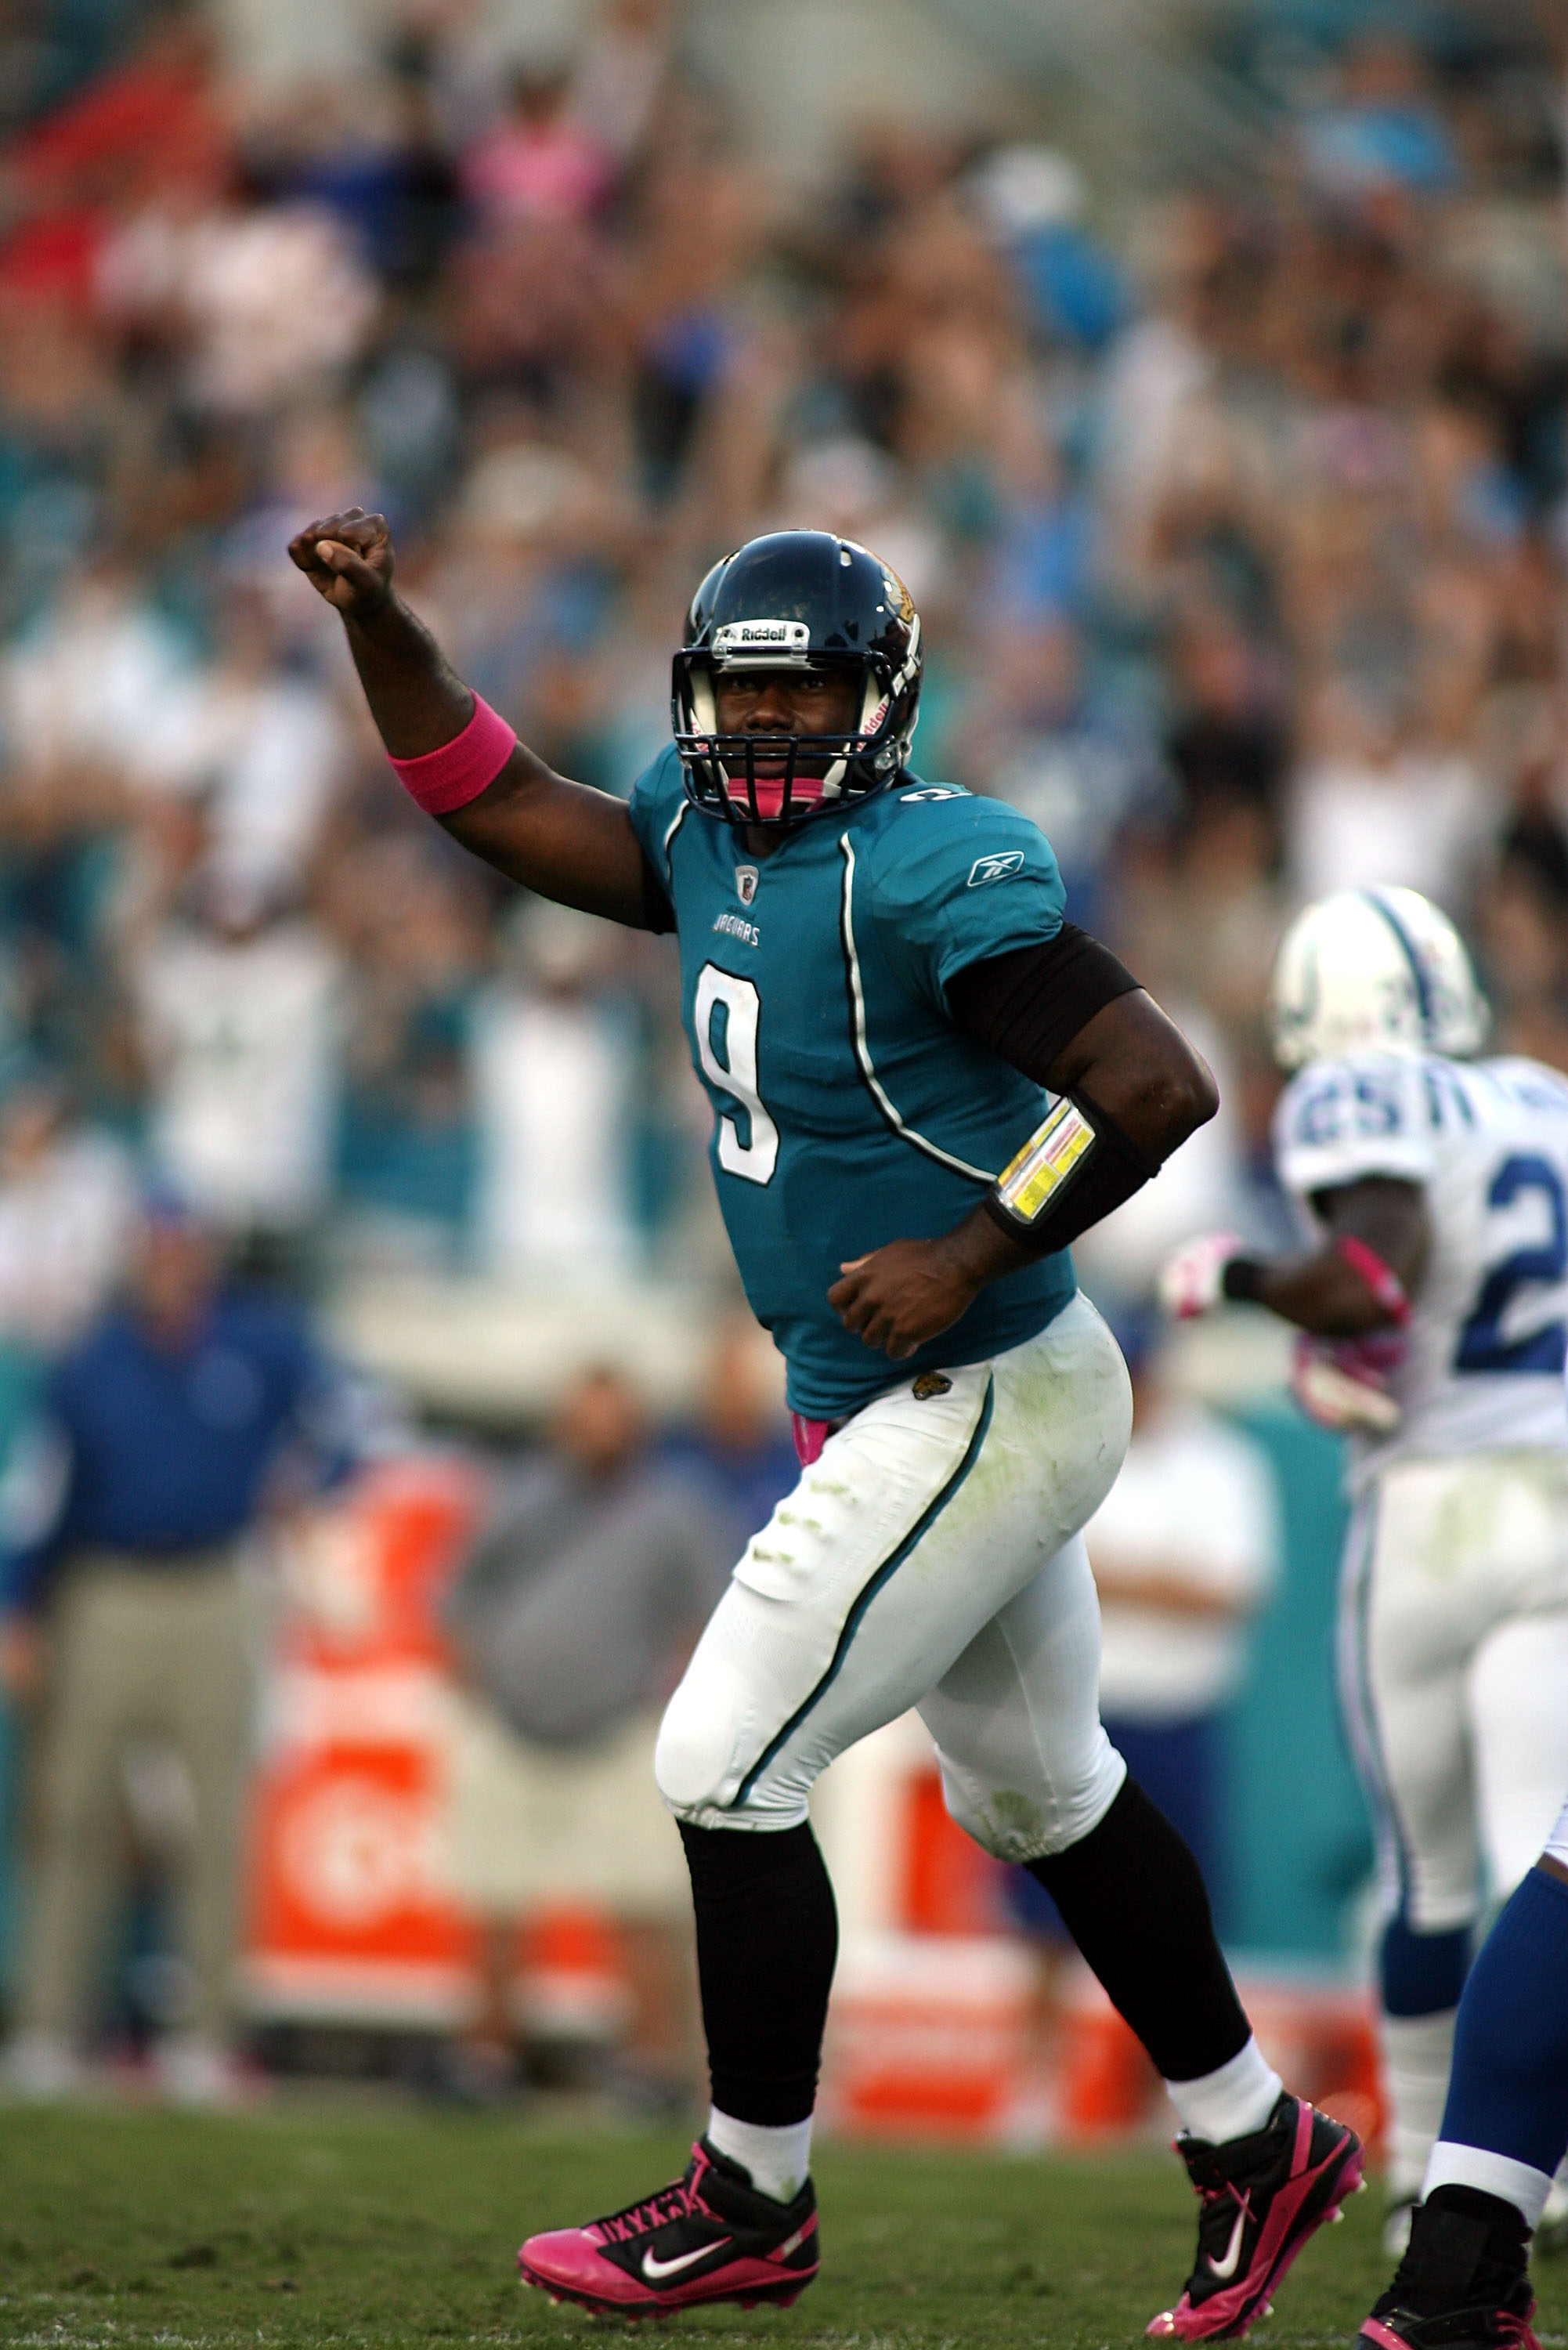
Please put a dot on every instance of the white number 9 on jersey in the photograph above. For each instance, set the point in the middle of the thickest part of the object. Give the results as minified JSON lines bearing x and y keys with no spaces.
{"x":733,"y":1036}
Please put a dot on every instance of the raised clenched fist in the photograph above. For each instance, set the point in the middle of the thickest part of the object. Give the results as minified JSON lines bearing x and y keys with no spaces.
{"x":346,"y":557}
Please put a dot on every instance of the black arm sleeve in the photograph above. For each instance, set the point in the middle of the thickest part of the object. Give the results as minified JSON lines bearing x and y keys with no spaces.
{"x":1027,"y":1004}
{"x":1104,"y":1177}
{"x":658,"y":913}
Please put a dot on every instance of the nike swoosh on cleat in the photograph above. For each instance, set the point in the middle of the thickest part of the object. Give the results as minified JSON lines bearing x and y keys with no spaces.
{"x":655,"y":2270}
{"x":1232,"y":2260}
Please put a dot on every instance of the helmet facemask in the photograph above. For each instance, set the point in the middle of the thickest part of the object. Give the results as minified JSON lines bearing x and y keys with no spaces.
{"x":753,"y":777}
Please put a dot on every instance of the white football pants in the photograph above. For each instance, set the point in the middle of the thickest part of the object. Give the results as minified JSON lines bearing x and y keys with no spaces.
{"x":1453,"y":1664}
{"x":930,"y":1557}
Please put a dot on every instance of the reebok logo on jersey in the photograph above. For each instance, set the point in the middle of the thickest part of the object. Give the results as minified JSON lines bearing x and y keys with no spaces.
{"x":733,"y":927}
{"x":996,"y":867}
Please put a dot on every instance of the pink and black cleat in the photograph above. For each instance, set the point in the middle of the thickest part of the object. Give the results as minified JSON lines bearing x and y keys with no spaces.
{"x":710,"y":2236}
{"x":1262,"y":2198}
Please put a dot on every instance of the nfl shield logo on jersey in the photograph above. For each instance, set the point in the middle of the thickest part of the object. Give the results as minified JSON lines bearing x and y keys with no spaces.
{"x":745,"y":883}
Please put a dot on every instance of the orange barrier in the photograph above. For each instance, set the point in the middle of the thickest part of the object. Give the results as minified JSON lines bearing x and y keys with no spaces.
{"x":349,"y":1917}
{"x":1322,"y":2039}
{"x":947,"y":1884}
{"x":940,"y":2027}
{"x":1104,"y":2085}
{"x":927,"y":2037}
{"x":571,"y":1981}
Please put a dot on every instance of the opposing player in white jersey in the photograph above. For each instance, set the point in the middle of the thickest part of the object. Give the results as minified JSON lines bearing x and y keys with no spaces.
{"x":1433,"y":1298}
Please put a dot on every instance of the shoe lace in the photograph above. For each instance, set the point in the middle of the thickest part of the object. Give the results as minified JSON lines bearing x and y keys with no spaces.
{"x":1217,"y":2215}
{"x":677,"y":2201}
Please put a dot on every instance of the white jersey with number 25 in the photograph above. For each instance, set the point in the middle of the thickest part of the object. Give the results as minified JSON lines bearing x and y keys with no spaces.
{"x":1488,"y":1142}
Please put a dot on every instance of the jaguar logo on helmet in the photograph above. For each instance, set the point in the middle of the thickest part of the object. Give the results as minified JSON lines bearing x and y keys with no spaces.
{"x":797,"y":599}
{"x":1374,"y":971}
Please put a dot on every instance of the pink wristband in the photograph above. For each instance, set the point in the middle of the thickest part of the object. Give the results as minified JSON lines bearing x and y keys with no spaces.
{"x":1385,"y":1284}
{"x":458,"y":771}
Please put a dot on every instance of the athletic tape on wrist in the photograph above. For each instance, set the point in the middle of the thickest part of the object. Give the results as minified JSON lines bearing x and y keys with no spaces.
{"x":1381,"y":1279}
{"x":1032,"y":1178}
{"x":457,"y":772}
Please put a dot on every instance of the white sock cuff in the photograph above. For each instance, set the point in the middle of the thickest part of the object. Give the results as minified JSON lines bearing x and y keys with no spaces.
{"x":779,"y":2160}
{"x":1452,"y":2165}
{"x":1419,"y":2035}
{"x":1417,"y":2052}
{"x":1232,"y":2102}
{"x":1557,"y":1842}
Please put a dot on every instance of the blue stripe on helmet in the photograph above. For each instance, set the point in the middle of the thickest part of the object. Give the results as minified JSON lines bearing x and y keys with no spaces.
{"x":1407,"y":949}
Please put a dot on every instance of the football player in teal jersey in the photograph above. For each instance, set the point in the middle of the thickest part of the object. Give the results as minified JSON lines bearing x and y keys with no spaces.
{"x":925,"y":1084}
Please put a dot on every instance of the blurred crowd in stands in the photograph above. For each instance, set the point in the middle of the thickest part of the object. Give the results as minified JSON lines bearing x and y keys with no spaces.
{"x":1240,"y":538}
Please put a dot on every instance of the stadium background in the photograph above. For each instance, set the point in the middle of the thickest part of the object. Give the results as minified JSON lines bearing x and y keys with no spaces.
{"x":1201,"y":367}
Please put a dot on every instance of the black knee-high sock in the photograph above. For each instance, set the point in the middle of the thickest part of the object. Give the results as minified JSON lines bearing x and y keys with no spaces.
{"x":767,"y":1936}
{"x":1133,"y":1898}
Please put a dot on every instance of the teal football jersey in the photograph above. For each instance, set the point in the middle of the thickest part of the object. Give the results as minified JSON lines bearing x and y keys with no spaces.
{"x":848,"y":1110}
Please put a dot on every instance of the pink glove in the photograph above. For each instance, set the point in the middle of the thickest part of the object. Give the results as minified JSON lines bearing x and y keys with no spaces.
{"x":1341,"y":1383}
{"x":1189,"y":1279}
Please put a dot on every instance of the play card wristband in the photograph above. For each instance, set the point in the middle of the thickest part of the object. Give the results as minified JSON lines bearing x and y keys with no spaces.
{"x":1075,"y":1166}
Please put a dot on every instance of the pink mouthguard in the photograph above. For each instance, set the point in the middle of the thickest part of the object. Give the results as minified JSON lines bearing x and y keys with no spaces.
{"x":805,"y":792}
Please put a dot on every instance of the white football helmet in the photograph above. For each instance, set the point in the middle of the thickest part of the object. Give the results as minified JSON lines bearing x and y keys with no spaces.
{"x":1373,"y":970}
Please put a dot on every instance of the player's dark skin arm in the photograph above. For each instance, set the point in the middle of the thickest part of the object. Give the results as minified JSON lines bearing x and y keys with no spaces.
{"x":1318,"y":1291}
{"x":1138,"y":1069}
{"x":560,"y":838}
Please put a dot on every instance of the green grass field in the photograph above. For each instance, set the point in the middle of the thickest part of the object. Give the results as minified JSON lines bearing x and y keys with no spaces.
{"x":385,"y":2226}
